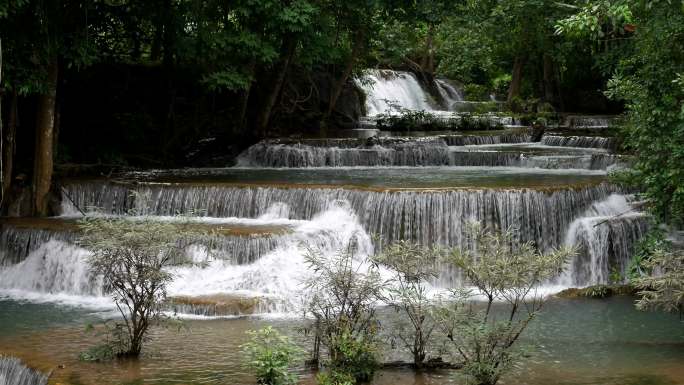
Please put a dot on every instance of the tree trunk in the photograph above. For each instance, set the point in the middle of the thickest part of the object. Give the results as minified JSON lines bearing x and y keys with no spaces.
{"x":428,"y":61}
{"x":45,"y":124}
{"x":244,"y":100}
{"x":9,"y":145}
{"x":336,"y":91}
{"x":516,"y":78}
{"x":549,"y":81}
{"x":287,"y":53}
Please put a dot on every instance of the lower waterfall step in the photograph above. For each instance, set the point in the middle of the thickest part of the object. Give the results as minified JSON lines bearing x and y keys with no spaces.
{"x":427,"y":215}
{"x":236,"y":242}
{"x":220,"y":305}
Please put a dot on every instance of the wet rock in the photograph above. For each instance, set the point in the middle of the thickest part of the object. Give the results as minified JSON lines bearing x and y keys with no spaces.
{"x":217,"y":305}
{"x":597,"y":291}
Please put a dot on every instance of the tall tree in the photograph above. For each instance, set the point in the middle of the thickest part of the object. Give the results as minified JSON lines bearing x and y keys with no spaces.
{"x":645,"y":46}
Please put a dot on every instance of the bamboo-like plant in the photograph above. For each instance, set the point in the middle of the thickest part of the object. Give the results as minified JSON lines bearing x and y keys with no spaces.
{"x":501,"y":272}
{"x":131,"y":256}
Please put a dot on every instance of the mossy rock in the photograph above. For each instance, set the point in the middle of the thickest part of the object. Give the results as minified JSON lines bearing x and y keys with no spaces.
{"x":597,"y":291}
{"x":216,"y":305}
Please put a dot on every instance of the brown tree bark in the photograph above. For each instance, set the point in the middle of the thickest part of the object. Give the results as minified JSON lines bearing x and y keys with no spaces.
{"x":9,"y":145}
{"x":337,"y":88}
{"x":288,"y":50}
{"x":516,"y":78}
{"x":549,"y":80}
{"x":43,"y":155}
{"x":427,"y":63}
{"x":244,"y":101}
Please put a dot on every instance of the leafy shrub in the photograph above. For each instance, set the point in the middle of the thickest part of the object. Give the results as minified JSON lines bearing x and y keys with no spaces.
{"x":271,"y":356}
{"x":354,"y":356}
{"x":115,"y":342}
{"x":409,"y":120}
{"x":334,"y":378}
{"x":476,"y":92}
{"x":598,"y":291}
{"x":645,"y":249}
{"x":470,"y":123}
{"x":98,"y":353}
{"x":664,"y":288}
{"x":500,"y":85}
{"x":500,"y":273}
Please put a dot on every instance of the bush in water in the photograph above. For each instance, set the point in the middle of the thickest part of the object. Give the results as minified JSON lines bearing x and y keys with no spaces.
{"x":501,"y":271}
{"x":664,"y":288}
{"x":353,"y":357}
{"x":334,"y":378}
{"x":413,"y":265}
{"x":340,"y":296}
{"x":271,"y":356}
{"x":131,"y":256}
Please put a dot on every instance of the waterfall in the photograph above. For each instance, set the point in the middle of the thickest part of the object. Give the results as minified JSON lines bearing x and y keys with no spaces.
{"x":426,"y":216}
{"x":385,"y":88}
{"x":410,"y":153}
{"x":470,"y":140}
{"x":450,"y":95}
{"x":327,"y":219}
{"x":588,"y":121}
{"x":14,"y":372}
{"x":605,"y":235}
{"x":16,"y":243}
{"x":579,"y":141}
{"x":511,"y":159}
{"x":448,"y":150}
{"x":58,"y":270}
{"x":53,"y":268}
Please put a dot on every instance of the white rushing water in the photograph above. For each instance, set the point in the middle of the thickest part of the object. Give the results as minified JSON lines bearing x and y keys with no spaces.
{"x":57,"y":271}
{"x":384,"y":88}
{"x":605,"y":235}
{"x":14,"y":372}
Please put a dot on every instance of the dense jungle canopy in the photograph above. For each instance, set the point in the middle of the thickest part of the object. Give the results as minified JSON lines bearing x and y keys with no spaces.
{"x":162,"y":83}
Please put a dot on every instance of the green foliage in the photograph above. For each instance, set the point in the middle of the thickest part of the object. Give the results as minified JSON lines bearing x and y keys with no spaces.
{"x":646,"y":79}
{"x":412,"y":265}
{"x":646,"y":247}
{"x":500,"y":85}
{"x":341,"y":296}
{"x":271,"y":356}
{"x":115,"y":342}
{"x":476,"y":92}
{"x":355,"y":357}
{"x":409,"y":120}
{"x":335,"y":378}
{"x":597,"y":20}
{"x":598,"y":291}
{"x":501,"y":271}
{"x":664,"y":288}
{"x":131,"y":257}
{"x":98,"y":353}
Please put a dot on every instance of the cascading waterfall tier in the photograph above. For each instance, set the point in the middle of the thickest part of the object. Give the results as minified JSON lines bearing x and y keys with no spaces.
{"x":58,"y":270}
{"x":468,"y":157}
{"x":383,"y":152}
{"x":588,"y":121}
{"x":14,"y":372}
{"x":470,"y":140}
{"x":426,"y":216}
{"x":605,"y":234}
{"x":386,"y":89}
{"x":448,"y":150}
{"x":580,"y":141}
{"x":18,"y":240}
